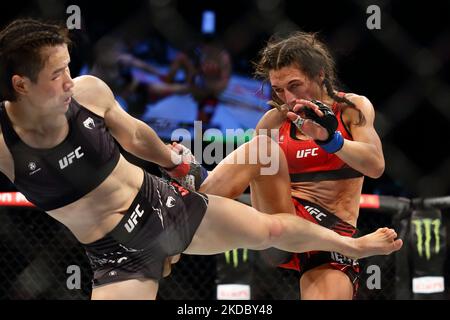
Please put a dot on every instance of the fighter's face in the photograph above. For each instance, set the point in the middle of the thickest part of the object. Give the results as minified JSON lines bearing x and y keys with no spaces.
{"x":290,"y":83}
{"x":53,"y":88}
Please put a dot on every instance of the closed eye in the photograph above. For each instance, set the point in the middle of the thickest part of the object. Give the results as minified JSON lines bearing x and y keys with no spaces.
{"x":278,"y":90}
{"x":294,"y":86}
{"x":58,"y":72}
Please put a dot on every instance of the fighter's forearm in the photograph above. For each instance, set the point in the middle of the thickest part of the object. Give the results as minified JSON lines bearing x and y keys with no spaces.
{"x":147,"y":145}
{"x":363,"y":157}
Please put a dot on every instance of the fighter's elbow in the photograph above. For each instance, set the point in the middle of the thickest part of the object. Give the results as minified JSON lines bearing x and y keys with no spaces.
{"x":376,"y":170}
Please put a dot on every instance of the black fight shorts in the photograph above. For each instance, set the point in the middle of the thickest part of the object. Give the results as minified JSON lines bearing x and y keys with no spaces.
{"x":160,"y":222}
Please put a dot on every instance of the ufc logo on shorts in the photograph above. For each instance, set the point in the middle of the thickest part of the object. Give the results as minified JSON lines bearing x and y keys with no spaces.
{"x":315,"y":213}
{"x":133,"y":221}
{"x":68,"y":160}
{"x":306,"y":152}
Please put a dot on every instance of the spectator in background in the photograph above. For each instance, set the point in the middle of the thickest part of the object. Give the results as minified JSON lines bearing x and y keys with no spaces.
{"x":114,"y":65}
{"x":207,"y":72}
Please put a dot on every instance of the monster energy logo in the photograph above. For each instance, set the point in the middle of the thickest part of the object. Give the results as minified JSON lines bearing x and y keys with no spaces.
{"x":233,"y":255}
{"x":424,"y":236}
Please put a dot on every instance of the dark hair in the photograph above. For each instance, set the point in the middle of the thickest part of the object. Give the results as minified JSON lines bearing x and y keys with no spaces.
{"x":20,"y":50}
{"x":309,"y":54}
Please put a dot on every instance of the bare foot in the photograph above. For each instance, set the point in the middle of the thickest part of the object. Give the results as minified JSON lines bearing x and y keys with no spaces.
{"x":381,"y":242}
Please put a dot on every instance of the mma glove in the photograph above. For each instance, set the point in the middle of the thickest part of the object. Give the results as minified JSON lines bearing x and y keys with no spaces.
{"x":189,"y":173}
{"x":328,"y":121}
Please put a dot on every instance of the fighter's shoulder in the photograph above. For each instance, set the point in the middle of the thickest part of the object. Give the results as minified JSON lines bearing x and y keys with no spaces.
{"x":271,"y":119}
{"x":93,"y":93}
{"x":361,"y":102}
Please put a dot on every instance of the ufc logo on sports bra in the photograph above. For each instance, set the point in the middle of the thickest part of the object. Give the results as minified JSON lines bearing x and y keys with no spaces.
{"x":68,"y":160}
{"x":132,"y":222}
{"x":307,"y":152}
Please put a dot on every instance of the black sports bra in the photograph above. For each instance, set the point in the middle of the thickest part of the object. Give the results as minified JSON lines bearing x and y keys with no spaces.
{"x":55,"y":177}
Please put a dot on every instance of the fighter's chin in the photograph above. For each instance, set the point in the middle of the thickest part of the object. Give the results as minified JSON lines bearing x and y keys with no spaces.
{"x":67,"y":101}
{"x":62,"y":107}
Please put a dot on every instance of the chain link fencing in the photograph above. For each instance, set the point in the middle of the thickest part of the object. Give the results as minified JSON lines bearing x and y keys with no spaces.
{"x":40,"y":259}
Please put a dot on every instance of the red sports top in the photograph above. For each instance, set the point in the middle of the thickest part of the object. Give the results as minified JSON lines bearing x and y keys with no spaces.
{"x":307,"y":161}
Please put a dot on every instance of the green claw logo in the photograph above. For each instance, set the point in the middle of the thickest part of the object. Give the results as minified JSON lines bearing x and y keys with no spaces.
{"x":424,"y":236}
{"x":234,"y":256}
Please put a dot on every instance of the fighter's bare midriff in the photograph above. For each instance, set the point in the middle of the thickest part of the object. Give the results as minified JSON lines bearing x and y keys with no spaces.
{"x":339,"y":197}
{"x":98,"y":212}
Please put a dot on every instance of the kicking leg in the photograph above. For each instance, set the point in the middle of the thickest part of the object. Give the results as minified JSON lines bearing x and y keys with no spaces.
{"x":228,"y":224}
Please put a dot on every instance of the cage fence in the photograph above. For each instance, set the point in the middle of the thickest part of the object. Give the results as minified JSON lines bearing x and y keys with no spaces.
{"x":41,"y":259}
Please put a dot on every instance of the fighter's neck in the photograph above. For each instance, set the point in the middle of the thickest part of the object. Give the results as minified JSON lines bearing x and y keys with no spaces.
{"x":26,"y":118}
{"x":325,"y":98}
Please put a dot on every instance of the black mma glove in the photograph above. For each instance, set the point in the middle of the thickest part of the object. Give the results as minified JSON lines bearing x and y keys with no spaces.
{"x":329,"y":121}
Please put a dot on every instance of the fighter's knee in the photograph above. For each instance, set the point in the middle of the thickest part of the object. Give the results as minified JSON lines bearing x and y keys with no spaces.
{"x":263,"y":141}
{"x":275,"y":228}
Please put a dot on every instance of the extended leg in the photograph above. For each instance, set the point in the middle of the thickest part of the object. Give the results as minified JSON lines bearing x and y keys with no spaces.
{"x":228,"y":224}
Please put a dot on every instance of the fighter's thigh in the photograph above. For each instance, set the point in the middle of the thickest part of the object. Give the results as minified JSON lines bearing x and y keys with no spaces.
{"x":134,"y":289}
{"x":325,"y":282}
{"x":228,"y":224}
{"x":230,"y":177}
{"x":271,"y":195}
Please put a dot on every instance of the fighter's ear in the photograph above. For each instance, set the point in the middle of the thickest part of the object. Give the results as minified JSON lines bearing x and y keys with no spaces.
{"x":321,"y":76}
{"x":20,"y":84}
